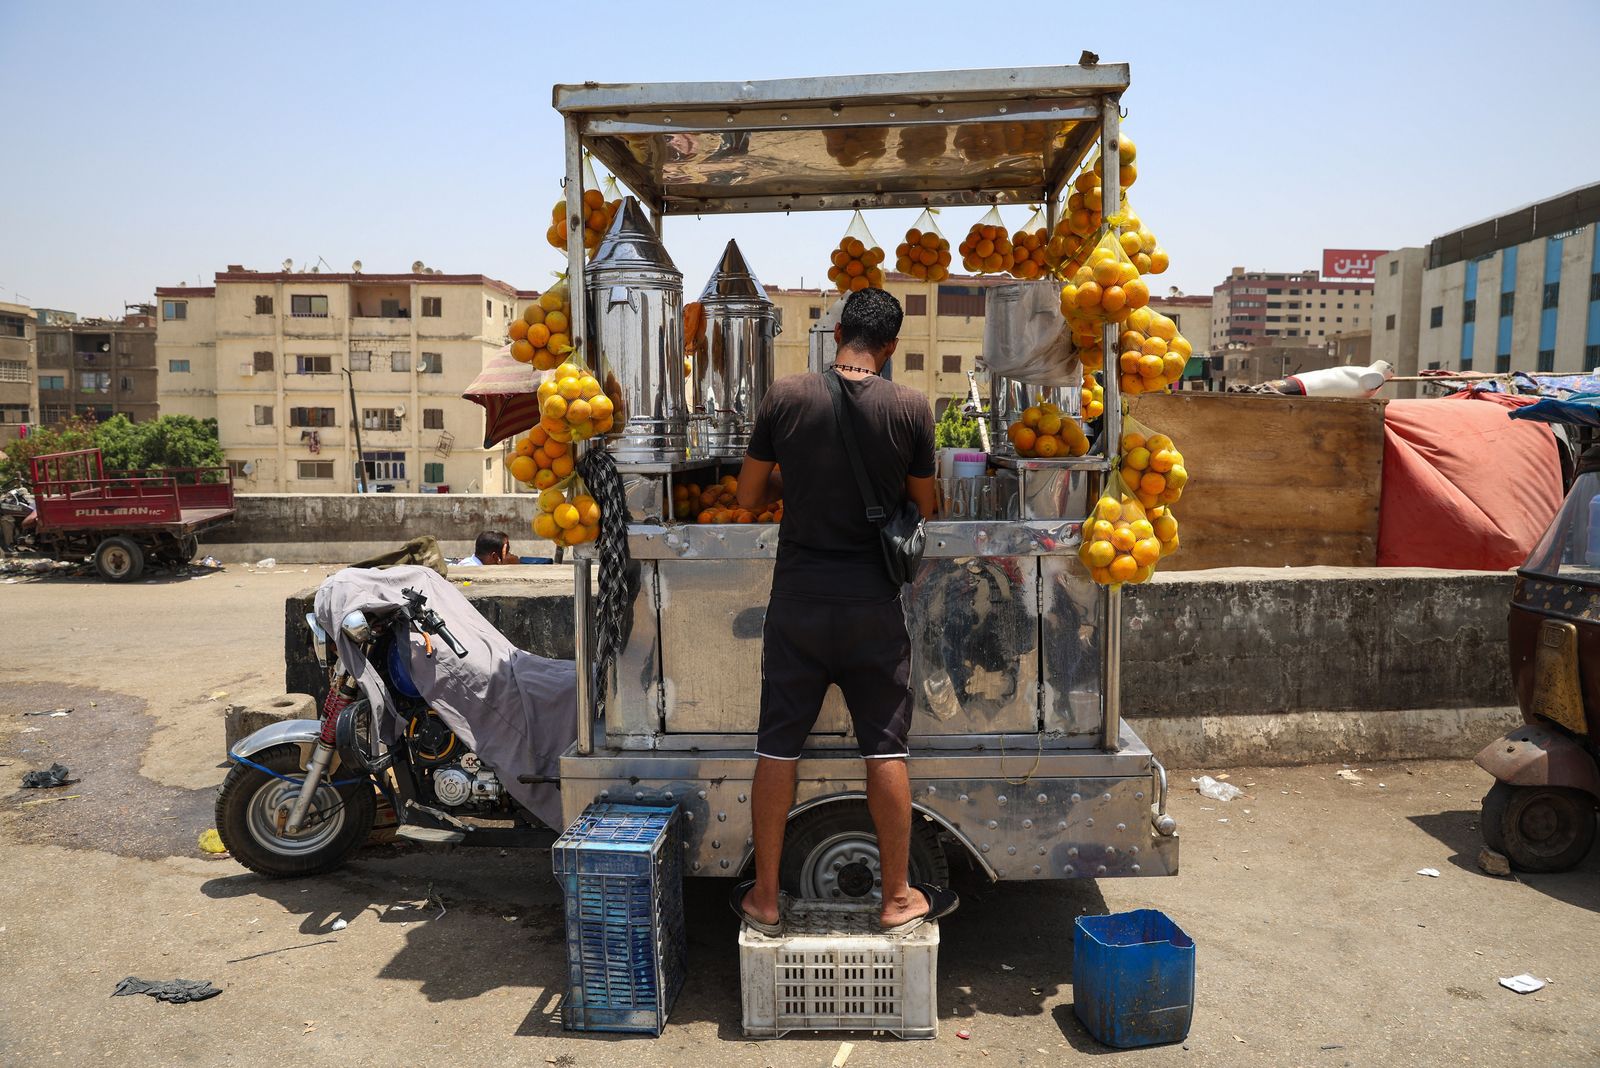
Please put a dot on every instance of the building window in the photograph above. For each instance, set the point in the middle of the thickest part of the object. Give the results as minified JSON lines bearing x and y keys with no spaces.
{"x":815,"y":311}
{"x":433,"y":473}
{"x":313,"y":365}
{"x":178,"y":367}
{"x":433,"y":418}
{"x":52,"y":381}
{"x":964,"y":301}
{"x":1394,"y":268}
{"x":263,"y":305}
{"x":950,"y":363}
{"x":17,"y":326}
{"x":912,"y":361}
{"x":1591,"y":357}
{"x":14,"y":413}
{"x":1388,"y":322}
{"x":1502,"y":362}
{"x":320,"y":469}
{"x":311,"y":417}
{"x":1436,"y":316}
{"x":432,"y":363}
{"x":399,"y":361}
{"x":263,"y":361}
{"x":306,"y":306}
{"x":432,"y":307}
{"x":236,"y":469}
{"x":1466,"y":363}
{"x":1469,"y":311}
{"x":263,"y":415}
{"x":488,"y":307}
{"x":361,"y":361}
{"x":379,"y":419}
{"x":13,"y":371}
{"x":1433,"y":365}
{"x":1594,"y":287}
{"x":94,"y":381}
{"x":1547,"y":359}
{"x":1552,"y":294}
{"x":385,"y":466}
{"x":916,"y":304}
{"x":1508,"y":301}
{"x":174,"y":309}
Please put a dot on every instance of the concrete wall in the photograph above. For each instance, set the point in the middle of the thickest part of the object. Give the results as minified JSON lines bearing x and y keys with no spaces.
{"x":1231,"y":666}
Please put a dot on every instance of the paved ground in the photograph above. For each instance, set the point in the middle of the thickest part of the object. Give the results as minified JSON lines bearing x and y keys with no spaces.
{"x":1317,"y":943}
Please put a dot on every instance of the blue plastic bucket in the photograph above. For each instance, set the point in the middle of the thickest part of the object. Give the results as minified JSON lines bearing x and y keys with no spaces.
{"x":1133,"y":978}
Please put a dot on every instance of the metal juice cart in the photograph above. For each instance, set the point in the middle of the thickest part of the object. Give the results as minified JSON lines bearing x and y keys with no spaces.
{"x":1020,"y":756}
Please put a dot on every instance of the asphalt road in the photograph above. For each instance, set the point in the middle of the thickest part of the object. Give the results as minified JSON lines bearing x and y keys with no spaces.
{"x":1317,"y":943}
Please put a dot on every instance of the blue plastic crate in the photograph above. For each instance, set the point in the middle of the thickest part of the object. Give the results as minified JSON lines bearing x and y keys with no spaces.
{"x":1133,"y":978}
{"x":621,"y":872}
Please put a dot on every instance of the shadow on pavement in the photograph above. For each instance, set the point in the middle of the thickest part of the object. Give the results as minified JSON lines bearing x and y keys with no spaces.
{"x":1459,"y":829}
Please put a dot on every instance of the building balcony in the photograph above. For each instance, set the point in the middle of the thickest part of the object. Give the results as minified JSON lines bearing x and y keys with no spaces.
{"x":364,"y":327}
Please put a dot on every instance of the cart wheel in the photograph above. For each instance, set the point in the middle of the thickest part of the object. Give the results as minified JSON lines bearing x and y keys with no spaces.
{"x":1539,"y":828}
{"x":188,"y":548}
{"x":831,"y":853}
{"x":119,"y":560}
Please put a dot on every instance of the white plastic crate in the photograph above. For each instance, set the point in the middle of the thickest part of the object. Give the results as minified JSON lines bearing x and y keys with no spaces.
{"x":833,"y":970}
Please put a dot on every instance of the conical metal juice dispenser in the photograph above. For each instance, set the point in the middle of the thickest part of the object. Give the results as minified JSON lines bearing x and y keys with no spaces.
{"x":634,"y":312}
{"x":734,"y":369}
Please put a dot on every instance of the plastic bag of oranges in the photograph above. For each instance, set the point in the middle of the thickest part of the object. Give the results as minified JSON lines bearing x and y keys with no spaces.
{"x":573,"y":406}
{"x":1151,"y":468}
{"x":1028,"y":248}
{"x":599,"y":209}
{"x":857,"y":262}
{"x":1139,"y":243}
{"x":1151,"y":354}
{"x":540,"y":460}
{"x":987,"y":247}
{"x":1119,"y":540}
{"x":543,"y":336}
{"x":1092,"y":399}
{"x":1044,"y":431}
{"x":567,"y":515}
{"x":1107,"y":288}
{"x":925,"y":252}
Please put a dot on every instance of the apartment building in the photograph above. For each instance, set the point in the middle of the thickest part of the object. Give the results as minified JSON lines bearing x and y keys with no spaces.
{"x":274,"y":356}
{"x":19,"y":367}
{"x":98,"y":367}
{"x":1296,"y":309}
{"x":1519,"y":292}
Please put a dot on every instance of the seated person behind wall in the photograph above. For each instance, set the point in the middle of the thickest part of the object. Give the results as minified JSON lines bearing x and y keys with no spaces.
{"x":492,"y":547}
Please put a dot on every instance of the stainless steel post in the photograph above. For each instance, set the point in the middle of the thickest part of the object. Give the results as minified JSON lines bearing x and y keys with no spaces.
{"x":1111,"y":598}
{"x":581,"y":614}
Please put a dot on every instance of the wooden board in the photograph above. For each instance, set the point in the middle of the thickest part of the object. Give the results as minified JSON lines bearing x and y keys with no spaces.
{"x":1273,"y":481}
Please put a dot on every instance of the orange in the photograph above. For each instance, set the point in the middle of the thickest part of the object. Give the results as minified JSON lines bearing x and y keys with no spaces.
{"x":1149,"y":500}
{"x":1123,"y":569}
{"x":1024,"y":440}
{"x":566,"y":516}
{"x":1158,"y":261}
{"x":1138,"y":292}
{"x":1151,"y":367}
{"x":1049,"y":423}
{"x":1162,"y":461}
{"x":521,"y":351}
{"x":554,"y":407}
{"x":538,"y":435}
{"x":544,"y":479}
{"x":525,"y":446}
{"x":1170,"y":545}
{"x":1101,"y":575}
{"x":1174,"y":365}
{"x":562,"y":466}
{"x":1088,"y":295}
{"x":1153,"y":346}
{"x":1162,"y":327}
{"x":1030,"y":417}
{"x":575,"y":536}
{"x":556,"y":322}
{"x":1158,"y":442}
{"x":578,"y":411}
{"x":551,"y":300}
{"x":1181,"y":346}
{"x":1113,"y":299}
{"x":588,"y":509}
{"x":551,"y":499}
{"x":1171,"y":495}
{"x":522,"y":468}
{"x":556,"y":448}
{"x":1106,"y":272}
{"x":600,"y":407}
{"x":1107,"y":509}
{"x":1151,"y":482}
{"x":1144,"y":573}
{"x":533,"y":314}
{"x":1130,"y":243}
{"x":858,"y":283}
{"x":1137,"y":458}
{"x":1166,"y":528}
{"x":517,"y":330}
{"x":1100,"y":554}
{"x":588,"y":387}
{"x":704,"y":517}
{"x":544,"y":525}
{"x":1130,"y":477}
{"x":1122,"y":538}
{"x":594,"y":200}
{"x":1178,"y":477}
{"x":1146,"y":551}
{"x":541,"y":458}
{"x":569,"y":390}
{"x":1101,"y":530}
{"x":538,"y":335}
{"x":1142,"y":529}
{"x":603,"y":424}
{"x":1047,"y":445}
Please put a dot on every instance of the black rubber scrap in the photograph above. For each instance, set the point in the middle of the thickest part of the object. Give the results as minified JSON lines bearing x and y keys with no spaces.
{"x":54,"y":775}
{"x":177,"y":991}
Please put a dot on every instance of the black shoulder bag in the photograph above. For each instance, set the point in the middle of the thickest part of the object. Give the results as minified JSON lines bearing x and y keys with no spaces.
{"x":901,"y":532}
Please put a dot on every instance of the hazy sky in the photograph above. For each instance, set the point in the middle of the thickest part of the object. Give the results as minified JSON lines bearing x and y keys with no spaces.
{"x":155,"y":143}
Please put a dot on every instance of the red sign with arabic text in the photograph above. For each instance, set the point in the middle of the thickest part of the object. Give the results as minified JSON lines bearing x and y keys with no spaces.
{"x":1351,"y":262}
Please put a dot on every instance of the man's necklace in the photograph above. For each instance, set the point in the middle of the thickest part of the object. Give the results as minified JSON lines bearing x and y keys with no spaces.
{"x":859,"y":370}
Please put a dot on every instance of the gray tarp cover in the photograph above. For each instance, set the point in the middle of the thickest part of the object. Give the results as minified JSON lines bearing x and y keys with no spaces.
{"x":517,"y":711}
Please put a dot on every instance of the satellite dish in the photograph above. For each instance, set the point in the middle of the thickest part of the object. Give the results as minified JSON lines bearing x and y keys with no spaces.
{"x":248,"y":467}
{"x":288,"y":265}
{"x":105,"y":346}
{"x":356,"y":267}
{"x":417,"y":267}
{"x":315,"y":269}
{"x":399,"y":410}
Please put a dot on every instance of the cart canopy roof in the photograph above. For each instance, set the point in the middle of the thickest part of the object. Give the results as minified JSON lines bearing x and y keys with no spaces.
{"x":933,"y":138}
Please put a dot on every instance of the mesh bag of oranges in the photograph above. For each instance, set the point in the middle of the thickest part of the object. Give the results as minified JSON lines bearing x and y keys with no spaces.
{"x":925,"y":252}
{"x":1107,"y":288}
{"x":1093,"y":402}
{"x":543,"y":335}
{"x":567,"y":514}
{"x":541,"y":461}
{"x":1151,"y":468}
{"x":1045,"y":432}
{"x":573,"y":406}
{"x":1151,"y":354}
{"x":1028,"y":248}
{"x":599,"y":209}
{"x":1139,"y":243}
{"x":1119,"y":540}
{"x":857,"y":262}
{"x":987,"y":246}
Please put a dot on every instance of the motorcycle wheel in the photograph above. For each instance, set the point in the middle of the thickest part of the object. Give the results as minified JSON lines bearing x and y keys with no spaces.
{"x":1539,"y":828}
{"x":247,"y":809}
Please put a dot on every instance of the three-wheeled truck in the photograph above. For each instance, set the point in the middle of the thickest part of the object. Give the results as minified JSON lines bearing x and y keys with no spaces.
{"x":123,"y":519}
{"x":1020,"y":757}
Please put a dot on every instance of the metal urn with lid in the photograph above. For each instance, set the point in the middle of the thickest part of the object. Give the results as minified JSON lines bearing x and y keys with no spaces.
{"x":732,"y":371}
{"x":634,"y":313}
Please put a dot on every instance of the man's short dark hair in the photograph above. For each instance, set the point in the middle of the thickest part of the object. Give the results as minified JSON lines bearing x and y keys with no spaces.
{"x":490,"y":543}
{"x":871,"y":318}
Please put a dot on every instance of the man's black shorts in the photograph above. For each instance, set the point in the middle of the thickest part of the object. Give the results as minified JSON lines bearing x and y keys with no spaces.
{"x":862,"y":648}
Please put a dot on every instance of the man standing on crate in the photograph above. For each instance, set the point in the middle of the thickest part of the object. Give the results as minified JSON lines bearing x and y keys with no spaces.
{"x":835,"y":614}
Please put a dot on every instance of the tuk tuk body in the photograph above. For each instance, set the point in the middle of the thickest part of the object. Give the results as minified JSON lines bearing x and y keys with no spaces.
{"x":1541,"y":810}
{"x":1019,"y":755}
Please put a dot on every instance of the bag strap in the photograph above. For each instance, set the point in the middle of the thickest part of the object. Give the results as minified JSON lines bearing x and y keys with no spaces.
{"x":875,"y":513}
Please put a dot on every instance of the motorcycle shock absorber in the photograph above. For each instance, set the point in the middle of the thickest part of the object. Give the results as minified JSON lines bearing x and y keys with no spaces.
{"x":339,"y":697}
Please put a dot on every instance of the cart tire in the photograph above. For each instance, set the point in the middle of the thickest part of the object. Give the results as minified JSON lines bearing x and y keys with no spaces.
{"x":250,"y":796}
{"x":187,"y":549}
{"x":1539,"y":828}
{"x":119,"y":560}
{"x":831,"y":853}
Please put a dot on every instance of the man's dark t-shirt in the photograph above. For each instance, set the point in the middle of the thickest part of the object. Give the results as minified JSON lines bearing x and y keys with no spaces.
{"x":827,"y":550}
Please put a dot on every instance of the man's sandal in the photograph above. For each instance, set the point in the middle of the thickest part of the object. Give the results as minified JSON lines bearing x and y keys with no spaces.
{"x":941,"y":903}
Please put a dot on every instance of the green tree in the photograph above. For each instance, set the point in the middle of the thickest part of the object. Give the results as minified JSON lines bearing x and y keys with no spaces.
{"x":171,"y":441}
{"x":955,"y":430}
{"x":63,"y":437}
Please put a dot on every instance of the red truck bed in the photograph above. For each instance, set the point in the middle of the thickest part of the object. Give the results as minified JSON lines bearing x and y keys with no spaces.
{"x":72,"y":492}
